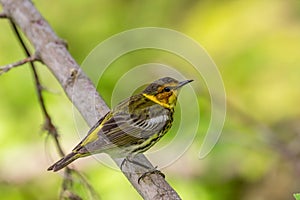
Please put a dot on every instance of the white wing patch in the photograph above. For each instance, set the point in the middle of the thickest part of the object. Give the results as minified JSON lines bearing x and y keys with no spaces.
{"x":155,"y":122}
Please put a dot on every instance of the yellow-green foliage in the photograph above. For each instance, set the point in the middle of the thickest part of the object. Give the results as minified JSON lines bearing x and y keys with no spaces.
{"x":255,"y":45}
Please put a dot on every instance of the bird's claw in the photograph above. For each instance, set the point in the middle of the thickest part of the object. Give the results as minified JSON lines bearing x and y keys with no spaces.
{"x":154,"y":171}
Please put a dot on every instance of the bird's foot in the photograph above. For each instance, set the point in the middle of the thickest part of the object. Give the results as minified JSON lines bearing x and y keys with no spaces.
{"x":152,"y":171}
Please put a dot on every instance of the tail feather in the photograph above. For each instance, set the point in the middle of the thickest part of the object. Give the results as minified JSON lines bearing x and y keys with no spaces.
{"x":64,"y":161}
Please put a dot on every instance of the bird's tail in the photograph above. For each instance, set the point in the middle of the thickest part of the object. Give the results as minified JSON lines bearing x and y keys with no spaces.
{"x":64,"y":161}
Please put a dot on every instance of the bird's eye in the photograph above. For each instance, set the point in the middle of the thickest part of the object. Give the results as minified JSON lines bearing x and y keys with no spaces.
{"x":167,"y":89}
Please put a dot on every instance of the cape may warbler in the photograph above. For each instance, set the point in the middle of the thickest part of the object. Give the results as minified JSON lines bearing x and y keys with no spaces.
{"x":133,"y":126}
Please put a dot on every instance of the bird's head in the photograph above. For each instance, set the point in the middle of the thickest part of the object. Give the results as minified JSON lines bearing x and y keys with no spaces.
{"x":164,"y":91}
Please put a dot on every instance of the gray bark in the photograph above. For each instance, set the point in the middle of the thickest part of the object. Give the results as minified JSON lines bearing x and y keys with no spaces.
{"x":52,"y":51}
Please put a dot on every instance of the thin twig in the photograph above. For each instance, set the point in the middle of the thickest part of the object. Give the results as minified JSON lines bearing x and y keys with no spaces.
{"x":66,"y":192}
{"x":68,"y":184}
{"x":6,"y":68}
{"x":48,"y":125}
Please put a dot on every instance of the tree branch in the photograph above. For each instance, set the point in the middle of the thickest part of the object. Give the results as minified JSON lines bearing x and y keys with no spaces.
{"x":68,"y":180}
{"x":77,"y":86}
{"x":6,"y":68}
{"x":3,"y":15}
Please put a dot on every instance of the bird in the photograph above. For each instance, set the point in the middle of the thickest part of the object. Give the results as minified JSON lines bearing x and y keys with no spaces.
{"x":132,"y":126}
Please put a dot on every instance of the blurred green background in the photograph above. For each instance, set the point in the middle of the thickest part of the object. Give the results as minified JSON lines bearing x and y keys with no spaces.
{"x":256,"y":46}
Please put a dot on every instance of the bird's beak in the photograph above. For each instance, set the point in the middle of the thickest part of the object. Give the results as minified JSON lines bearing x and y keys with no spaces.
{"x":182,"y":83}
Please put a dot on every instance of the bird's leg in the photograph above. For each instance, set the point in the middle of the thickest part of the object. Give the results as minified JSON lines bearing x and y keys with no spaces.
{"x":150,"y":169}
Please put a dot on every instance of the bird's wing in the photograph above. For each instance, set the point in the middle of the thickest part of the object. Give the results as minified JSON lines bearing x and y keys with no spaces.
{"x":124,"y":130}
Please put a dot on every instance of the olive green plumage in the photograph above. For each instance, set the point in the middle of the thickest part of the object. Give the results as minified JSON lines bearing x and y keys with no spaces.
{"x":133,"y":126}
